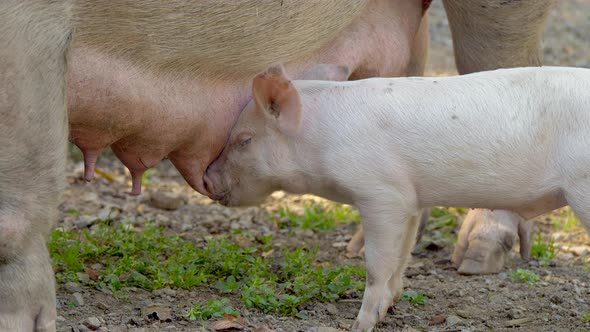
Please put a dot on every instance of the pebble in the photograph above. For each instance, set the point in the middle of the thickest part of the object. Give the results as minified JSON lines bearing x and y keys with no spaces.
{"x":515,"y":313}
{"x":92,"y":323}
{"x":556,"y":299}
{"x":580,"y":250}
{"x":83,"y":277}
{"x":453,"y":320}
{"x":323,"y":329}
{"x":97,"y":266}
{"x":83,"y":328}
{"x":60,"y":319}
{"x":72,"y":287}
{"x":164,"y":291}
{"x":84,"y":221}
{"x":463,"y":313}
{"x":457,"y":292}
{"x":78,"y":299}
{"x":408,"y":328}
{"x":166,"y":200}
{"x":331,"y":309}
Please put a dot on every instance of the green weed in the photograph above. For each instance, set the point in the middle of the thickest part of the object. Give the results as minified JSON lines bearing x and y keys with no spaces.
{"x":567,"y":221}
{"x":151,"y":259}
{"x":586,"y":316}
{"x":213,"y":309}
{"x":542,"y":251}
{"x":525,"y":276}
{"x":317,"y":218}
{"x":146,"y":178}
{"x":415,"y":297}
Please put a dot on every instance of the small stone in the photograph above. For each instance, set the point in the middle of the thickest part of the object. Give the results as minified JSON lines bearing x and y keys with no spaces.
{"x":408,"y":328}
{"x":556,"y":299}
{"x":533,"y":263}
{"x":169,"y":292}
{"x":89,"y":197}
{"x":72,"y":287}
{"x":515,"y":313}
{"x":503,"y":275}
{"x":84,"y":221}
{"x":323,"y":329}
{"x":97,"y":266}
{"x":78,"y":299}
{"x":60,"y":319}
{"x":103,"y":306}
{"x":580,"y":250}
{"x":331,"y":309}
{"x":83,"y":277}
{"x":92,"y":323}
{"x":341,"y":244}
{"x":169,"y":328}
{"x":83,"y":328}
{"x":166,"y":200}
{"x":156,"y":312}
{"x":438,"y":319}
{"x":457,"y":293}
{"x":463,"y":313}
{"x":453,"y":320}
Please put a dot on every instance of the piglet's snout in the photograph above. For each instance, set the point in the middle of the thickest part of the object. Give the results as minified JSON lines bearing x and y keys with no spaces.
{"x":211,"y":181}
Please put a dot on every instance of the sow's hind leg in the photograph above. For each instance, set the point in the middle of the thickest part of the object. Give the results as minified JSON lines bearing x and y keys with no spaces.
{"x":489,"y":35}
{"x":33,"y":136}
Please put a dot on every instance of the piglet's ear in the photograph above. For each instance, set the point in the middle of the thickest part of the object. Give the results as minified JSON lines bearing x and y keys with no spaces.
{"x":275,"y":94}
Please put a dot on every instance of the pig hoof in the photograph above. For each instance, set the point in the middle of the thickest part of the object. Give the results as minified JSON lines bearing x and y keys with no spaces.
{"x":27,"y":284}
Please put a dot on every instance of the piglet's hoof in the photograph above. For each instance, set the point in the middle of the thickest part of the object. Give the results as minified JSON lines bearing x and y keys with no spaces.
{"x":485,"y":239}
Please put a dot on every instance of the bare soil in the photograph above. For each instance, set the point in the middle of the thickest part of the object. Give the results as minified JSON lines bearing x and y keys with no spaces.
{"x":558,"y":302}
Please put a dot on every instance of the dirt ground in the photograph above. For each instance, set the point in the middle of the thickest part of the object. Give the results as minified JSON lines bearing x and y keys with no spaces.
{"x":559,"y":301}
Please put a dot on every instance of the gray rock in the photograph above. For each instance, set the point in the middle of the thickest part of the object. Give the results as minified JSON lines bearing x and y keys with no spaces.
{"x":331,"y":309}
{"x":83,"y":328}
{"x":84,"y":221}
{"x":78,"y":299}
{"x":166,"y":200}
{"x":83,"y":277}
{"x":92,"y":323}
{"x":72,"y":287}
{"x":323,"y":329}
{"x":515,"y":313}
{"x":453,"y":320}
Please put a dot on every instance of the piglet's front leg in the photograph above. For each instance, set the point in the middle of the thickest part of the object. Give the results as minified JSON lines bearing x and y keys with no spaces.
{"x":390,"y":235}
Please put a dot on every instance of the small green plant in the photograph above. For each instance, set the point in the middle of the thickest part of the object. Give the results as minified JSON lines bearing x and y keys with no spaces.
{"x":415,"y":297}
{"x":146,"y":178}
{"x":524,"y":275}
{"x":586,"y":316}
{"x":542,"y":251}
{"x":150,"y":259}
{"x":213,"y":309}
{"x":316,"y":217}
{"x":567,"y":221}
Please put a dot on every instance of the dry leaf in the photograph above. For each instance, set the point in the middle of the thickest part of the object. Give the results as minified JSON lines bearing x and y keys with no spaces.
{"x":92,"y":273}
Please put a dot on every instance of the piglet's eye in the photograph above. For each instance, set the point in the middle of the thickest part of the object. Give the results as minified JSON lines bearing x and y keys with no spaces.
{"x":245,"y":141}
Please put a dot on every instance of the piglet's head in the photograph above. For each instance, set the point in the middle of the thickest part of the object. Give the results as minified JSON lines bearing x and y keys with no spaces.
{"x":249,"y":166}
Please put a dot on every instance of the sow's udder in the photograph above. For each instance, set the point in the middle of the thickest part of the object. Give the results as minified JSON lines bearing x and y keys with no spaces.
{"x":146,"y":119}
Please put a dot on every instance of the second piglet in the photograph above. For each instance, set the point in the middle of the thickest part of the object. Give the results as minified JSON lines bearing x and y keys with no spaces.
{"x":512,"y":139}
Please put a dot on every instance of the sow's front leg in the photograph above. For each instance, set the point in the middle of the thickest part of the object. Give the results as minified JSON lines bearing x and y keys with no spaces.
{"x":33,"y":137}
{"x":489,"y":35}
